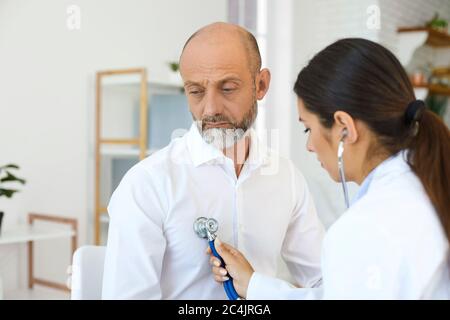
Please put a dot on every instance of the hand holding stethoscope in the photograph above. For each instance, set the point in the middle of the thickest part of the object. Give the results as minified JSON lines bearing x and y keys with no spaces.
{"x":206,"y":229}
{"x":236,"y":267}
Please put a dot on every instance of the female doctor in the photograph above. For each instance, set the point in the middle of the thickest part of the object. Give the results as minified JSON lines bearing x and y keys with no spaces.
{"x":355,"y":99}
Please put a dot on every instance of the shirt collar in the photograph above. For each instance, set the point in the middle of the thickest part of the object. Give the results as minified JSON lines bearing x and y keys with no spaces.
{"x":364,"y":187}
{"x":203,"y":153}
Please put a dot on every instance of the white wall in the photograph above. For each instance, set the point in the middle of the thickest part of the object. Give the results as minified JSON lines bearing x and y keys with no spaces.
{"x":47,"y":99}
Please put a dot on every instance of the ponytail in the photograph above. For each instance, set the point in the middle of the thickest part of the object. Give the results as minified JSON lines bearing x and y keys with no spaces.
{"x":429,"y":158}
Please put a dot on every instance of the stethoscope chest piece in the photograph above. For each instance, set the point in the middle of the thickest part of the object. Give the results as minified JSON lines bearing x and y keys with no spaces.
{"x":206,"y":228}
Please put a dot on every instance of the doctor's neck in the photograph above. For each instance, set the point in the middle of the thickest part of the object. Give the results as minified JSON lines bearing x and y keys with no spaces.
{"x":238,"y":153}
{"x":368,"y":166}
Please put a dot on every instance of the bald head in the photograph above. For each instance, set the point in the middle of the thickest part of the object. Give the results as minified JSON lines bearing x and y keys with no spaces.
{"x":220,"y":32}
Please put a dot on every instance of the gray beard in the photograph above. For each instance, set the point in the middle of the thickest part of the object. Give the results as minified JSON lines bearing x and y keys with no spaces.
{"x":221,"y":138}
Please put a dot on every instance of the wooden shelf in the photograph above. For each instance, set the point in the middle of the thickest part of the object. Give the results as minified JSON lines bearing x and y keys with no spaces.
{"x":435,"y":38}
{"x":136,"y":79}
{"x":435,"y":89}
{"x":124,"y":152}
{"x":441,"y":71}
{"x":132,"y":80}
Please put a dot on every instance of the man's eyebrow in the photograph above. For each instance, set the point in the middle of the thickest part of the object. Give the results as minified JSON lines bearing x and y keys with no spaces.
{"x":230,"y":78}
{"x":192,"y":83}
{"x":221,"y":81}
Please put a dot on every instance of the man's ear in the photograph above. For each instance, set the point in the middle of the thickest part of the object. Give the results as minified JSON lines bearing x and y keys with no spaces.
{"x":262,"y":83}
{"x":344,"y":121}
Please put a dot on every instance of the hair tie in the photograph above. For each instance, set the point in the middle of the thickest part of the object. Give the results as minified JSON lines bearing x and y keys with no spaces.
{"x":414,"y":112}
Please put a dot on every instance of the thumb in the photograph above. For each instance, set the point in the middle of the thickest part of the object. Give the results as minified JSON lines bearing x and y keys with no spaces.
{"x":227,"y":252}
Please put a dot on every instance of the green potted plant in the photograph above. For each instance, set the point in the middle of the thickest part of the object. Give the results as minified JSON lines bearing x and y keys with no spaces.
{"x":6,"y":177}
{"x":175,"y":71}
{"x":174,"y":66}
{"x":438,"y":23}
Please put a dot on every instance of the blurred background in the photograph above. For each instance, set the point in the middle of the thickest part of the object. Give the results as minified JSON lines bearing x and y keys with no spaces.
{"x":90,"y":87}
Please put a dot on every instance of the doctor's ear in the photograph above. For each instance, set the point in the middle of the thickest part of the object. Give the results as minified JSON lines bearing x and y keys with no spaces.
{"x":346,"y":127}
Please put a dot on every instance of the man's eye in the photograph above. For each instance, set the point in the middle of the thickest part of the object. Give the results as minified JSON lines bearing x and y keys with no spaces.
{"x":307,"y":130}
{"x":228,"y":89}
{"x":195,"y":92}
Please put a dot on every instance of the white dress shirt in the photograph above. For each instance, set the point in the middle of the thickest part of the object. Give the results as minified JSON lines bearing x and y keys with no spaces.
{"x":389,"y":245}
{"x":267,"y":213}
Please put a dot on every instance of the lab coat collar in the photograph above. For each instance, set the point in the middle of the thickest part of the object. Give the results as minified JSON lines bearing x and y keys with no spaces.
{"x":203,"y":153}
{"x":389,"y":168}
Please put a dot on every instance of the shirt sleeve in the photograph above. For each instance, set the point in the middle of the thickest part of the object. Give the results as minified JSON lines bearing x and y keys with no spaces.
{"x":360,"y":261}
{"x":302,"y":244}
{"x":263,"y":287}
{"x":136,"y":243}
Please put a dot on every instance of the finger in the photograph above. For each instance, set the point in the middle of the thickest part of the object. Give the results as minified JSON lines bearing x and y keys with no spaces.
{"x":231,"y":271}
{"x":208,"y":251}
{"x":218,"y":271}
{"x":231,"y":249}
{"x":214,"y":261}
{"x":225,"y":246}
{"x":227,"y":252}
{"x":221,"y":279}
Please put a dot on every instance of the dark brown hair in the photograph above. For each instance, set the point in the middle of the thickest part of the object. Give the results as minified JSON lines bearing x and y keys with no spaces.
{"x":367,"y":81}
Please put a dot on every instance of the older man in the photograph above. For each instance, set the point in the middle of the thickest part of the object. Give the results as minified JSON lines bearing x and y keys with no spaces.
{"x":218,"y":169}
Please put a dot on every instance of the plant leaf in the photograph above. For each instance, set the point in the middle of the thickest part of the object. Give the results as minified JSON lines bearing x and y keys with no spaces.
{"x":10,"y":165}
{"x":10,"y":177}
{"x":7,"y":192}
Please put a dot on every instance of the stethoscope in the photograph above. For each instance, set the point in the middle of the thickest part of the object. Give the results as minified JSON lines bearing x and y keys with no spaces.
{"x":206,"y":229}
{"x":340,"y":155}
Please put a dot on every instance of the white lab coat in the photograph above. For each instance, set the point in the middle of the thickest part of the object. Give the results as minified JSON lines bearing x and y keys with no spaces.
{"x":389,"y":245}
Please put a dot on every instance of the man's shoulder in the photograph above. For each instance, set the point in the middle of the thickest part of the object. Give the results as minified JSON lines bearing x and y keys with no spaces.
{"x":159,"y":164}
{"x":176,"y":152}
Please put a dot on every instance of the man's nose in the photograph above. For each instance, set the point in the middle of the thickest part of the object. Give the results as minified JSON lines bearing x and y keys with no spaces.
{"x":213,"y":106}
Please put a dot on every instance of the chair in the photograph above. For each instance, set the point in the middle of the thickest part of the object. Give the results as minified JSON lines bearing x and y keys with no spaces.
{"x":87,"y":273}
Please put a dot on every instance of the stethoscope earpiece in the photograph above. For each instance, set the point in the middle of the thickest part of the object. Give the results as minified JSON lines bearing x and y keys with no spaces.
{"x":340,"y":155}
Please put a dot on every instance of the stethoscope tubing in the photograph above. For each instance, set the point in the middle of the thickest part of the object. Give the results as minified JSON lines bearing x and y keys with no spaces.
{"x":227,"y":285}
